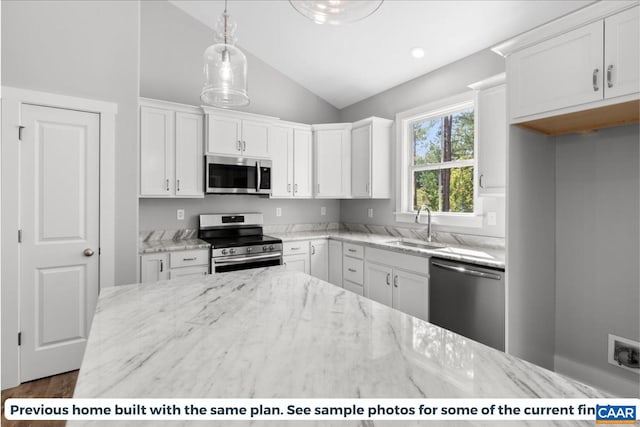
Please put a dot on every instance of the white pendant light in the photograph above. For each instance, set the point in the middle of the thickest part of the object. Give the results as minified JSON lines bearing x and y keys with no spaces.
{"x":336,"y":12}
{"x":225,"y":68}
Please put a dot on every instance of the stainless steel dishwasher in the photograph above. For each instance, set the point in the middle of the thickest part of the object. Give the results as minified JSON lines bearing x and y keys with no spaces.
{"x":468,"y":299}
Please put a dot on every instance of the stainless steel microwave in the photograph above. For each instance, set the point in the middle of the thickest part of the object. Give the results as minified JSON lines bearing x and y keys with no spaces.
{"x":237,"y":175}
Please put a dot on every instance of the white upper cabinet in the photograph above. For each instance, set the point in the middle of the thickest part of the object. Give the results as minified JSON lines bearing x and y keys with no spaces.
{"x":622,"y":53}
{"x":371,"y":159}
{"x":332,"y":147}
{"x":291,"y":153}
{"x":232,"y":133}
{"x":491,"y":135}
{"x":171,"y":155}
{"x":592,"y":66}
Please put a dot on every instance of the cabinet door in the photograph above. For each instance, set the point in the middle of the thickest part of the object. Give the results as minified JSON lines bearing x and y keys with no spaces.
{"x":255,"y":137}
{"x":491,"y":110}
{"x":281,"y":144}
{"x":335,"y":262}
{"x":320,"y":259}
{"x":560,"y":72}
{"x":361,"y":162}
{"x":154,"y":267}
{"x":302,"y":163}
{"x":377,"y":283}
{"x":297,"y":262}
{"x":156,"y":155}
{"x":331,"y":157}
{"x":410,"y":293}
{"x":223,"y":135}
{"x":189,"y":154}
{"x":622,"y":53}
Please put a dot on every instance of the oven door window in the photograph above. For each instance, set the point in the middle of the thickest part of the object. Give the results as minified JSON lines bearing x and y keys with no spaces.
{"x":231,"y":176}
{"x":246,"y":265}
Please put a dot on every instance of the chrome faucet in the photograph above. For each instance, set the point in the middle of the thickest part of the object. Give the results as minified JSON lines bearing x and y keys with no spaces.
{"x":428,"y":220}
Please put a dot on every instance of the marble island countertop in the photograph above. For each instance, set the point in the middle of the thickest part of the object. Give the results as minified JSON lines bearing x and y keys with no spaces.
{"x":273,"y":333}
{"x":490,"y":257}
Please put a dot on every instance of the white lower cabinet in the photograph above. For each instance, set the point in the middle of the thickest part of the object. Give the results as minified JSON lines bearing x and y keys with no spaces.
{"x":173,"y":265}
{"x":335,"y":262}
{"x":353,"y":268}
{"x":296,"y":256}
{"x":397,"y":280}
{"x":319,"y":259}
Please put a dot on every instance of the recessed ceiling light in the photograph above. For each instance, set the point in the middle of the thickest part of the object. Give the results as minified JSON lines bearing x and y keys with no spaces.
{"x":417,"y":52}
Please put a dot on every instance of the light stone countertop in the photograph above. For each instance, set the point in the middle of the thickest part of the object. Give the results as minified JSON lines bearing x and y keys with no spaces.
{"x":490,"y":257}
{"x":168,"y":245}
{"x":274,"y":333}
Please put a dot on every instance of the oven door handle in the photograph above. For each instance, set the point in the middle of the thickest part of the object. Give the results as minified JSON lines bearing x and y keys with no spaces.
{"x":243,"y":259}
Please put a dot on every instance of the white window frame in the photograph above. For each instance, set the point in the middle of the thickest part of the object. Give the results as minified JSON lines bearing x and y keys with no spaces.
{"x":404,"y":164}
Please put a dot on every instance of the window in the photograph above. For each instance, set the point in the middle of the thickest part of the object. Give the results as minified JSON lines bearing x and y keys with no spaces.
{"x":437,"y":159}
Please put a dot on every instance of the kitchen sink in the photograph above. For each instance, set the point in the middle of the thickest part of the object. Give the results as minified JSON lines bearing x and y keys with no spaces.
{"x":414,"y":244}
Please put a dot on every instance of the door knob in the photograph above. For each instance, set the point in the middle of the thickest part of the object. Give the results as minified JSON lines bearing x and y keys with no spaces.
{"x":87,"y":252}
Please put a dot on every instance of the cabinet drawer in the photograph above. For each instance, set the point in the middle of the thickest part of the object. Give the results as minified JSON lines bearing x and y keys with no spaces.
{"x":355,"y":251}
{"x":353,"y":270}
{"x":354,"y":287}
{"x":200,"y":270}
{"x":189,"y":258}
{"x":293,"y":248}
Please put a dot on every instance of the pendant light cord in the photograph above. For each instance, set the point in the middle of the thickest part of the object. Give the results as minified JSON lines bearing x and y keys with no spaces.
{"x":225,"y":21}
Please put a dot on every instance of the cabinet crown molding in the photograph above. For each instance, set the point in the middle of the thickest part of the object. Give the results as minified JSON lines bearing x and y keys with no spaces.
{"x":238,"y":114}
{"x":490,"y":82}
{"x":168,"y":105}
{"x":374,"y":120}
{"x":566,"y":23}
{"x":330,"y":126}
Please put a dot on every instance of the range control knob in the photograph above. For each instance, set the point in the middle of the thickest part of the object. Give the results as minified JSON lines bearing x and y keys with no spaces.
{"x":270,"y":247}
{"x":232,"y":251}
{"x":265,"y":248}
{"x":224,"y":252}
{"x":249,"y":250}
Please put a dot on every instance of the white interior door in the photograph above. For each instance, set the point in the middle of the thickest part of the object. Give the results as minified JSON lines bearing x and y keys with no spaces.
{"x":59,"y":214}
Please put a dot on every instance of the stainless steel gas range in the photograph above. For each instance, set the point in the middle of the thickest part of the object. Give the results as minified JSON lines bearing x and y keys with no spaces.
{"x":237,"y":242}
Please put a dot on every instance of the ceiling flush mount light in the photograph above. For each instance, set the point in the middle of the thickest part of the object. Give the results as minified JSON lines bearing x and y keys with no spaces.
{"x":225,"y":68}
{"x":336,"y":12}
{"x":417,"y":52}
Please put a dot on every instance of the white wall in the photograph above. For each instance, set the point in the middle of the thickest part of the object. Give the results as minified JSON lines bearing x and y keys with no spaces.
{"x":85,"y":49}
{"x":598,"y":248}
{"x":447,"y":81}
{"x":171,"y":48}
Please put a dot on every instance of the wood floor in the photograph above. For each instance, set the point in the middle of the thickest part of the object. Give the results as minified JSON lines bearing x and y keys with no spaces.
{"x":56,"y":386}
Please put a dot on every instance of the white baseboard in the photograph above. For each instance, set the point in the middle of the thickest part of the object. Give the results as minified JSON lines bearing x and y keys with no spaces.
{"x":599,"y":378}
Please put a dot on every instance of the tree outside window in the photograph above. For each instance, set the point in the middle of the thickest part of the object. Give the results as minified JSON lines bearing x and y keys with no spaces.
{"x":443,"y":159}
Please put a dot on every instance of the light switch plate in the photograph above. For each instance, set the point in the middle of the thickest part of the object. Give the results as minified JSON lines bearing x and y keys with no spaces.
{"x":370,"y":212}
{"x":323,"y":210}
{"x":491,"y":218}
{"x":180,"y":214}
{"x":278,"y":211}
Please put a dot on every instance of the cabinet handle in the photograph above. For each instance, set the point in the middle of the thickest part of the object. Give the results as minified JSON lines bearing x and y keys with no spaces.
{"x":167,"y":182}
{"x":480,"y":181}
{"x":388,"y":279}
{"x":595,"y":80}
{"x":395,"y":281}
{"x":244,"y":145}
{"x":318,"y":189}
{"x":313,"y":250}
{"x":295,"y":188}
{"x":351,"y":250}
{"x":351,"y":270}
{"x":177,"y":185}
{"x":288,"y":188}
{"x":295,"y":249}
{"x":161,"y":266}
{"x":239,"y":145}
{"x":366,"y":188}
{"x":189,"y":259}
{"x":610,"y":76}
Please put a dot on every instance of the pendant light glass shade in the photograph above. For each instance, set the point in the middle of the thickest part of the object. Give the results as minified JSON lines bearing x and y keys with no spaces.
{"x":225,"y":69}
{"x":336,"y":12}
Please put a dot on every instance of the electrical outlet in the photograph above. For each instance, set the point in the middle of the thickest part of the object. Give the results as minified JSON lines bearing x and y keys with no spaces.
{"x":624,"y":353}
{"x":278,"y":211}
{"x":323,"y":210}
{"x":370,"y":212}
{"x":180,"y":214}
{"x":491,"y":218}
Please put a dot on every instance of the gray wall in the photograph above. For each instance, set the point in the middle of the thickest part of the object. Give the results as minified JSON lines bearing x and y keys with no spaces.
{"x":161,"y":213}
{"x":84,"y":49}
{"x":171,"y":48}
{"x":598,"y":239}
{"x":449,"y":80}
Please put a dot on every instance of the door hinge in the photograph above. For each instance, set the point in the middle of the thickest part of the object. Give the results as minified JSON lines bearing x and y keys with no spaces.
{"x":19,"y":236}
{"x":19,"y":338}
{"x":20,"y":132}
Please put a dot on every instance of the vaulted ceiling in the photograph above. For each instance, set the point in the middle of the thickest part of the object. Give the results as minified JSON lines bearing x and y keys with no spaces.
{"x":349,"y":63}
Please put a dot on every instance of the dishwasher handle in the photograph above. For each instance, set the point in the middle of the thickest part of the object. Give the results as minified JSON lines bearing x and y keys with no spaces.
{"x":467,"y":271}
